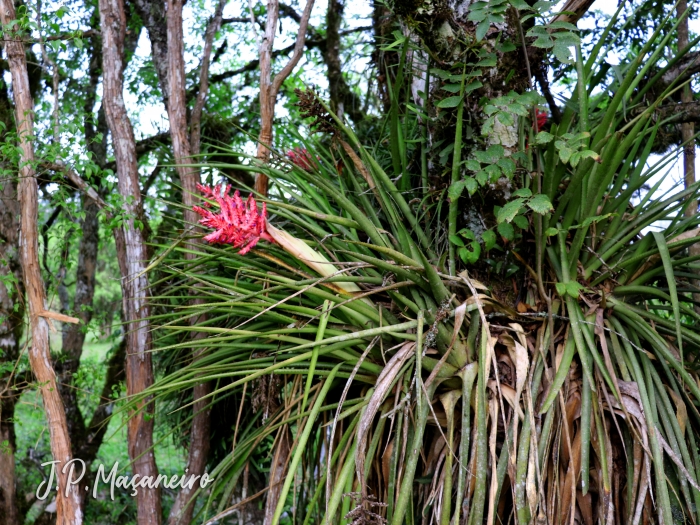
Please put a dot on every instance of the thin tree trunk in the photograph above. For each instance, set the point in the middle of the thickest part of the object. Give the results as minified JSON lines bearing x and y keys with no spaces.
{"x":11,"y":322}
{"x":687,"y":128}
{"x":269,"y":86}
{"x":687,"y":136}
{"x":267,"y":101}
{"x":196,"y":121}
{"x":133,"y":258}
{"x":183,"y":506}
{"x":68,"y":511}
{"x":152,"y":12}
{"x":9,"y":514}
{"x":87,"y":435}
{"x":278,"y":471}
{"x":337,"y":87}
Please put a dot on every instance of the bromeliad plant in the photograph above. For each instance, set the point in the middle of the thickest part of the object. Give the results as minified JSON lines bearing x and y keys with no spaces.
{"x":392,"y":390}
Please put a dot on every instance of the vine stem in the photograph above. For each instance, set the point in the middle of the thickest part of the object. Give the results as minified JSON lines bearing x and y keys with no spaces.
{"x":456,"y":161}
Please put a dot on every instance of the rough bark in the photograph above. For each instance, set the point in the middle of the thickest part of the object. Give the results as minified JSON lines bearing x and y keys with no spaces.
{"x":196,"y":120}
{"x":269,"y":86}
{"x":688,"y":138}
{"x":152,"y":13}
{"x":336,"y":83}
{"x":9,"y":513}
{"x":573,"y":10}
{"x":278,"y":472}
{"x":133,"y":256}
{"x":87,"y":438}
{"x":687,"y":128}
{"x":10,"y":335}
{"x":183,"y":506}
{"x":68,"y":510}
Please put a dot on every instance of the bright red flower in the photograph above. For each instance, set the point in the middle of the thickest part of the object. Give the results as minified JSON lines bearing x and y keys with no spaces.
{"x":239,"y":223}
{"x":301,"y":158}
{"x":542,"y":118}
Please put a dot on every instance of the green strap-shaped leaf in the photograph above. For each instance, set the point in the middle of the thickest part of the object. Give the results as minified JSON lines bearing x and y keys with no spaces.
{"x":671,"y":279}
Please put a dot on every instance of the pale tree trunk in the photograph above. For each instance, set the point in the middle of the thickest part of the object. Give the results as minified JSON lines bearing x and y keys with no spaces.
{"x":133,"y":259}
{"x":183,"y":506}
{"x":269,"y":86}
{"x":68,"y":511}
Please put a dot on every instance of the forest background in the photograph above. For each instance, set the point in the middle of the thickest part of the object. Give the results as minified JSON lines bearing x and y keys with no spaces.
{"x":204,"y":93}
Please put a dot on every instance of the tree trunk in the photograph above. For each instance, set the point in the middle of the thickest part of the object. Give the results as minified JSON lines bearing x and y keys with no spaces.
{"x":11,"y":322}
{"x":688,"y":138}
{"x":269,"y":86}
{"x":152,"y":12}
{"x":183,"y":506}
{"x":133,"y":258}
{"x":267,"y":102}
{"x":687,"y":128}
{"x":68,"y":511}
{"x":196,"y":122}
{"x":278,"y":472}
{"x":9,"y":514}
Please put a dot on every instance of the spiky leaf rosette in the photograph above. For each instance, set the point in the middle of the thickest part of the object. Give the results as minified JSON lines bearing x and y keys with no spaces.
{"x":440,"y":395}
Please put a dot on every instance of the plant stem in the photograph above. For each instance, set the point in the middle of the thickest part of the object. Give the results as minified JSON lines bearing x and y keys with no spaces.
{"x":456,"y":161}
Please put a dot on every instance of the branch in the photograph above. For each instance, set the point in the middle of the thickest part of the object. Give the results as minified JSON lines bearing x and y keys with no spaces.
{"x":196,"y":119}
{"x":688,"y":65}
{"x":298,"y":50}
{"x":144,"y":146}
{"x":541,"y":78}
{"x":88,"y":33}
{"x":572,"y":11}
{"x":311,"y":43}
{"x":238,"y":20}
{"x":77,"y":181}
{"x":681,"y":112}
{"x":287,"y":10}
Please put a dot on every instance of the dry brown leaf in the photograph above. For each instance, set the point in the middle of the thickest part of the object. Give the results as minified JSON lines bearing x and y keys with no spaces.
{"x":493,"y":489}
{"x":381,"y":390}
{"x":681,"y":409}
{"x":358,"y":164}
{"x":568,"y":499}
{"x":518,"y":354}
{"x":531,"y":486}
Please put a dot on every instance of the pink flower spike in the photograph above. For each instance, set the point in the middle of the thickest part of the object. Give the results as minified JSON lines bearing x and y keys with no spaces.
{"x":301,"y":157}
{"x":238,"y":222}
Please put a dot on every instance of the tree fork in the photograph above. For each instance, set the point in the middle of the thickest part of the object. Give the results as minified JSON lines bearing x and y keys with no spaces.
{"x":269,"y":86}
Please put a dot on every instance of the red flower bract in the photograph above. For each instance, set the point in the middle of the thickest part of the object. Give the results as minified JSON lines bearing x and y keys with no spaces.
{"x":301,"y":158}
{"x":239,"y":223}
{"x":542,"y":118}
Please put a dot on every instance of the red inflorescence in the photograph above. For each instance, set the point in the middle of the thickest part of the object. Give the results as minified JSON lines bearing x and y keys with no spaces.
{"x":541,"y":119}
{"x":239,"y":223}
{"x":301,"y":158}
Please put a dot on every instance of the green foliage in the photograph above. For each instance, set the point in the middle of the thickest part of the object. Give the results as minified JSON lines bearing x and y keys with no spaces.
{"x":404,"y":343}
